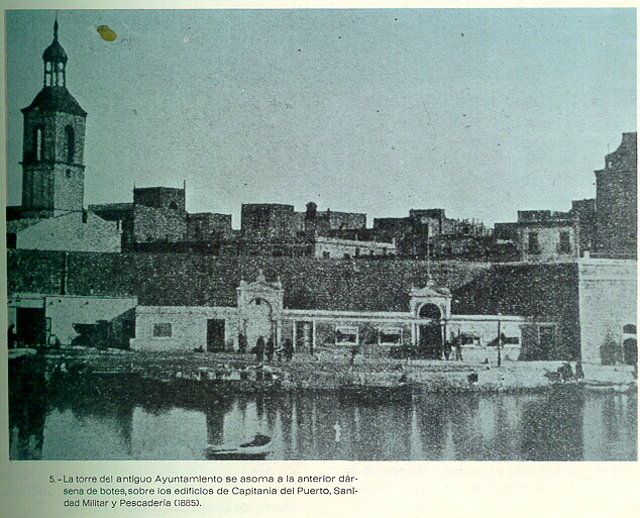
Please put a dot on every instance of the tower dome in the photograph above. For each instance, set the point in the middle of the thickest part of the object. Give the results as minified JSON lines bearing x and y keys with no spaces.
{"x":55,"y":52}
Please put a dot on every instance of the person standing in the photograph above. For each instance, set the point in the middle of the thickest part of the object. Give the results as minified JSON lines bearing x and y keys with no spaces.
{"x":458,"y":347}
{"x":288,"y":349}
{"x":270,"y":348}
{"x":354,"y":352}
{"x":242,"y":343}
{"x":447,"y":350}
{"x":259,"y":349}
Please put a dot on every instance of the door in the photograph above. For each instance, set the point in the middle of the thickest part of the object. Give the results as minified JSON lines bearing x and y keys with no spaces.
{"x":31,"y":326}
{"x":430,"y":340}
{"x":630,"y":351}
{"x":258,"y":322}
{"x":215,"y":334}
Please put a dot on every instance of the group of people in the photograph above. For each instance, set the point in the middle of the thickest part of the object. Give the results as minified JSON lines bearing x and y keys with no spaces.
{"x":450,"y":350}
{"x":266,"y":349}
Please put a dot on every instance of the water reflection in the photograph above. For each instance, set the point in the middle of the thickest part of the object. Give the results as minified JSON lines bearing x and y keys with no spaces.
{"x":106,"y":423}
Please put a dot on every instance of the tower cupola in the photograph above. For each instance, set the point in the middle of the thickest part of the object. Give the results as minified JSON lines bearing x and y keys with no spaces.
{"x":55,"y":61}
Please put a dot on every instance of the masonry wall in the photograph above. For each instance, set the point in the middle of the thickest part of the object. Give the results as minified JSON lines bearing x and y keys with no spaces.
{"x":344,"y":220}
{"x":608,"y":301}
{"x":63,"y":185}
{"x":540,"y":292}
{"x":198,"y":280}
{"x":208,"y":225}
{"x":158,"y":224}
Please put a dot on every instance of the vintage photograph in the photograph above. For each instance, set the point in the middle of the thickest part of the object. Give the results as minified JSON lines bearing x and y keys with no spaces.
{"x":322,"y":234}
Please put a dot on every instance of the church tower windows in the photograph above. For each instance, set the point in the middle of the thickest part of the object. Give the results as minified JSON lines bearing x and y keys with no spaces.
{"x":70,"y":141}
{"x":38,"y":149}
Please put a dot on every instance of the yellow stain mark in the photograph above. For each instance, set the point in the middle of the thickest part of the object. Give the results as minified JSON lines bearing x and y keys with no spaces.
{"x":106,"y":33}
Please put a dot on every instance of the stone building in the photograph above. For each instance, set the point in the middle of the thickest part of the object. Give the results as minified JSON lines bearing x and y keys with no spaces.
{"x":545,"y":235}
{"x":330,"y":247}
{"x":208,"y":226}
{"x":429,"y":233}
{"x":274,"y":221}
{"x":270,"y":221}
{"x":158,"y":216}
{"x":52,"y":215}
{"x":331,"y":223}
{"x":617,"y":201}
{"x":550,"y":239}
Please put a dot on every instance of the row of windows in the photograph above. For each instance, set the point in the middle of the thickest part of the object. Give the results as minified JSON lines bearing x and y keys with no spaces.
{"x":345,"y":335}
{"x":350,"y":335}
{"x":327,"y":254}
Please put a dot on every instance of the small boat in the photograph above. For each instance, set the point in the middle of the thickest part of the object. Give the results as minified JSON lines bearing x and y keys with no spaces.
{"x":256,"y":449}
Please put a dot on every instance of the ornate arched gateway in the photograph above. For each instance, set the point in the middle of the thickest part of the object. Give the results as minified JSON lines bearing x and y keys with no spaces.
{"x":431,"y":307}
{"x":260,"y":310}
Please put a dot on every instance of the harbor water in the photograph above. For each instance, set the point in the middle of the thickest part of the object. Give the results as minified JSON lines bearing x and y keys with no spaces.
{"x":111,"y":420}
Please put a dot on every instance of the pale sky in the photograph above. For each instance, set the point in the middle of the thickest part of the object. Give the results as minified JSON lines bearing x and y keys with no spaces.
{"x":480,"y":112}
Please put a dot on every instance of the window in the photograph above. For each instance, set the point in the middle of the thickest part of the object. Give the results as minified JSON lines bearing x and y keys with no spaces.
{"x":326,"y":254}
{"x":162,"y":330}
{"x":469,"y":339}
{"x":390,"y":336}
{"x":346,"y":335}
{"x":564,"y":247}
{"x":70,"y":141}
{"x":39,"y":143}
{"x":533,"y":245}
{"x":68,"y":173}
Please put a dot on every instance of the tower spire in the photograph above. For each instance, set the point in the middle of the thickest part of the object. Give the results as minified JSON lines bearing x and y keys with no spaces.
{"x":55,"y":29}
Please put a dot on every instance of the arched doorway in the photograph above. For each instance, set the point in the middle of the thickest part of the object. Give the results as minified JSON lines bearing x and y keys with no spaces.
{"x":258,"y":321}
{"x":630,"y":351}
{"x":429,"y":331}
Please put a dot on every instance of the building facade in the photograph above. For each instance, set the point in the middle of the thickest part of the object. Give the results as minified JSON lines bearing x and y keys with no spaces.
{"x":424,"y":327}
{"x":53,"y":319}
{"x":608,"y":311}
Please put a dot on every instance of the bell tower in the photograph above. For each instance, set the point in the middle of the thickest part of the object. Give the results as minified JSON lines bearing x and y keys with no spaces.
{"x":53,"y":143}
